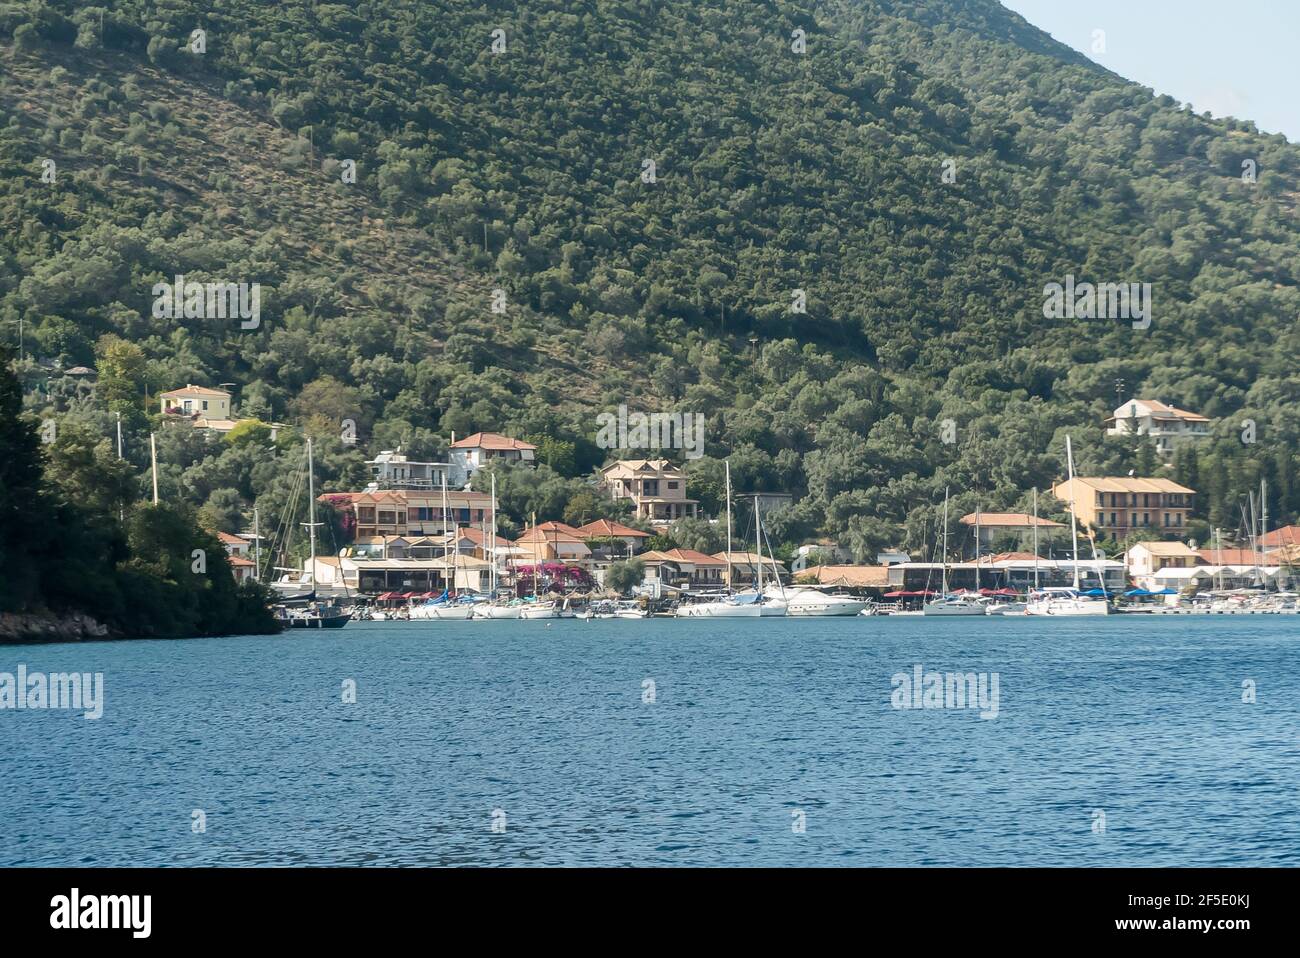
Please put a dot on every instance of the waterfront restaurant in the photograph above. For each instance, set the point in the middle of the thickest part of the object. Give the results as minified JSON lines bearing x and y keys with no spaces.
{"x":1011,"y":570}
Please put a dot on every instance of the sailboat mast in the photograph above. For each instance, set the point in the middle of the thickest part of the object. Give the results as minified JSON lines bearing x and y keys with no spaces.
{"x":535,"y":560}
{"x":727,"y":463}
{"x":977,"y":548}
{"x":1074,"y":529}
{"x":1035,"y":538}
{"x":447,"y":588}
{"x":1263,"y":525}
{"x":311,"y":511}
{"x":493,"y":574}
{"x":758,"y":544}
{"x":945,"y":541}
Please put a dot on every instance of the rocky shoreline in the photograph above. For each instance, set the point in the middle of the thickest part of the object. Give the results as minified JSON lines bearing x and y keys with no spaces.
{"x":69,"y":627}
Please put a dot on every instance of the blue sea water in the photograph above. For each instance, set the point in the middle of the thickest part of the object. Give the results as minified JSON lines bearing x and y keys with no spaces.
{"x":755,"y":727}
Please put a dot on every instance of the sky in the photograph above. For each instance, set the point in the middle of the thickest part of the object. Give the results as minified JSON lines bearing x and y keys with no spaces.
{"x":1233,"y":59}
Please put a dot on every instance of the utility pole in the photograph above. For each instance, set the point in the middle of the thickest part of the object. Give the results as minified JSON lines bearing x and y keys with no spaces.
{"x":153,"y":464}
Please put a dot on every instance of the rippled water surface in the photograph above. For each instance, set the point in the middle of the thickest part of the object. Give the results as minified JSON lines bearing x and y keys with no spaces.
{"x":1136,"y":718}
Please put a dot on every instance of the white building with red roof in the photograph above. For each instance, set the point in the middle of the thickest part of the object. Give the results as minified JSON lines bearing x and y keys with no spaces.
{"x":1164,"y":423}
{"x":472,"y":453}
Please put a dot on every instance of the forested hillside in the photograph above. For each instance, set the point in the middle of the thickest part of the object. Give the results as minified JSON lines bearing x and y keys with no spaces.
{"x":919,"y":171}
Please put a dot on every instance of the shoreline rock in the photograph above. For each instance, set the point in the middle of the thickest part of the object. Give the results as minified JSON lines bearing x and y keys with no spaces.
{"x":49,"y":627}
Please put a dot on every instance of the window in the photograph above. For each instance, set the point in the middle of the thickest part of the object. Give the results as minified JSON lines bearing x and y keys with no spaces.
{"x":205,"y":405}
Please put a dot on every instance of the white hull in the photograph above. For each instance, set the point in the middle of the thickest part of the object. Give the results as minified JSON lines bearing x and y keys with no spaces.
{"x":442,"y":612}
{"x":1067,"y":607}
{"x":546,"y":611}
{"x":952,"y":608}
{"x":720,"y":610}
{"x":498,"y":611}
{"x":822,"y":604}
{"x":1007,"y":608}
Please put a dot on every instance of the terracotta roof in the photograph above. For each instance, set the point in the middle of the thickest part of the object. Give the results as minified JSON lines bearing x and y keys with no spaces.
{"x":689,"y":556}
{"x":693,"y":557}
{"x":749,"y":558}
{"x":852,"y":576}
{"x":1232,"y":557}
{"x":1284,"y":536}
{"x":627,"y":468}
{"x":1129,"y":484}
{"x":1167,"y":548}
{"x":552,"y":532}
{"x":1008,"y":557}
{"x":604,"y":527}
{"x":230,"y":540}
{"x":239,"y":560}
{"x":478,"y":537}
{"x":490,"y":440}
{"x":192,"y":390}
{"x":1010,"y":520}
{"x":1162,"y":411}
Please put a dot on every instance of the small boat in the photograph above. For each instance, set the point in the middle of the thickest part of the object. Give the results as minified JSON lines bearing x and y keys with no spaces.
{"x":1059,"y":601}
{"x":444,"y":608}
{"x":726,"y":605}
{"x":493,"y":610}
{"x":539,"y":610}
{"x":957,"y":604}
{"x":725,"y":608}
{"x":314,"y":615}
{"x":1062,"y":601}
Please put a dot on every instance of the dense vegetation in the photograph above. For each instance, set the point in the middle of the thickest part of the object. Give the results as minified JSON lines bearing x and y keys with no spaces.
{"x":522,"y":170}
{"x":65,"y":550}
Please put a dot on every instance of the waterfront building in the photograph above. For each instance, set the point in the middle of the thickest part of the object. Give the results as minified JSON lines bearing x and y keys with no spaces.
{"x":1147,"y":558}
{"x":554,"y":542}
{"x":683,"y":570}
{"x":993,"y":525}
{"x":1114,"y":506}
{"x":862,"y":580}
{"x":614,"y":539}
{"x":396,"y":512}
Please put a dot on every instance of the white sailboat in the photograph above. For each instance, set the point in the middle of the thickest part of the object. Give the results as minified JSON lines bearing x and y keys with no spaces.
{"x":952,"y":604}
{"x":315,"y":614}
{"x":1063,"y":601}
{"x":727,"y":606}
{"x":772,"y":600}
{"x":446,"y":608}
{"x":496,"y":608}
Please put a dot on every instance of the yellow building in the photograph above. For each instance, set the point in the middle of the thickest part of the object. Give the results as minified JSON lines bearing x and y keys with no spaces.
{"x":1114,"y":506}
{"x":196,"y":401}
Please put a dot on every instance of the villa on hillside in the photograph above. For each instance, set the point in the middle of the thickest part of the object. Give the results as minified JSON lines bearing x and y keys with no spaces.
{"x":472,"y":453}
{"x":393,"y":470}
{"x":656,"y":488}
{"x":1165,"y":424}
{"x":243,"y":568}
{"x":1114,"y":506}
{"x":205,"y":408}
